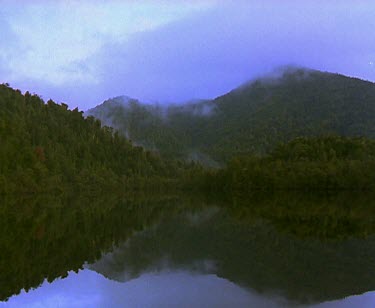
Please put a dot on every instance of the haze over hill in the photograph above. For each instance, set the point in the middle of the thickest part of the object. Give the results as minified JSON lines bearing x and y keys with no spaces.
{"x":252,"y":118}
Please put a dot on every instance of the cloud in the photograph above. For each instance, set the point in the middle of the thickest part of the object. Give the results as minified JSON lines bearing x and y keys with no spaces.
{"x":7,"y":44}
{"x":213,"y":51}
{"x":84,"y":52}
{"x":51,"y":41}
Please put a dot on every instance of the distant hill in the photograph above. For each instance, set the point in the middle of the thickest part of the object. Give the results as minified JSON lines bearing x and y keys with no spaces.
{"x":168,"y":130}
{"x":253,"y":118}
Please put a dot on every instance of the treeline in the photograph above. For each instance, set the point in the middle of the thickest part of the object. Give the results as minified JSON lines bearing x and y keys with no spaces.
{"x":46,"y":146}
{"x":315,"y":163}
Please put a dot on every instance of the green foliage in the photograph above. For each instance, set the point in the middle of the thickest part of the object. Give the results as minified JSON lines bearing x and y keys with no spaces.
{"x":48,"y":147}
{"x":316,"y":163}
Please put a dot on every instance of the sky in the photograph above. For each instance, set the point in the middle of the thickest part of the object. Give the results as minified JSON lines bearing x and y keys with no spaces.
{"x":83,"y":52}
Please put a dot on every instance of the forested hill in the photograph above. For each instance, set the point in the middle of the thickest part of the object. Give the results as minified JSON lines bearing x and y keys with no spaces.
{"x":253,"y":118}
{"x":46,"y":146}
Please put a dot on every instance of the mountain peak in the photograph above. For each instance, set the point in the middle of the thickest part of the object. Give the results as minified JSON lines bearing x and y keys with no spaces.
{"x":122,"y":100}
{"x":254,"y":118}
{"x":286,"y":73}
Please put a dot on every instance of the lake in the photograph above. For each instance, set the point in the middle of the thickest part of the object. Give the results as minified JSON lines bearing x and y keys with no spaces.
{"x":265,"y":250}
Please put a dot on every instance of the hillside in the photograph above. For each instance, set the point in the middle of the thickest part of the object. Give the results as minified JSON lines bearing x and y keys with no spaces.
{"x":46,"y":146}
{"x":168,"y":130}
{"x":253,"y":118}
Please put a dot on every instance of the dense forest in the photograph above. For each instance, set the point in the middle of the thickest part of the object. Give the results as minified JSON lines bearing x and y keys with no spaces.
{"x":251,"y":119}
{"x":46,"y":146}
{"x":253,"y":133}
{"x":305,"y":163}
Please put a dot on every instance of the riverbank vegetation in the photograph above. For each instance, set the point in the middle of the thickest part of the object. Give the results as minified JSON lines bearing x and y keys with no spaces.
{"x":315,"y":163}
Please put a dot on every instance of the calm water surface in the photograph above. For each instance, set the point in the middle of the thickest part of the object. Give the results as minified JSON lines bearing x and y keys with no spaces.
{"x":274,"y":251}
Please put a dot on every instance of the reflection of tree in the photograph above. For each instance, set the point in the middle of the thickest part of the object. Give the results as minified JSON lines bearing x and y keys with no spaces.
{"x":46,"y":237}
{"x":255,"y":254}
{"x":324,"y":216}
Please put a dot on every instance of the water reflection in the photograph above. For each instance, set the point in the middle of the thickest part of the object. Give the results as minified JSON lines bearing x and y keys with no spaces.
{"x":168,"y":289}
{"x":280,"y":250}
{"x":251,"y":254}
{"x":46,"y":237}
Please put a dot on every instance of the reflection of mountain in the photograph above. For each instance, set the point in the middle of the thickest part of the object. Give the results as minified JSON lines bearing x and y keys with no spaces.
{"x":252,"y":255}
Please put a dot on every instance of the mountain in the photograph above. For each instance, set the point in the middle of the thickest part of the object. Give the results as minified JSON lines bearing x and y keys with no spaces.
{"x":169,"y":130}
{"x":253,"y":118}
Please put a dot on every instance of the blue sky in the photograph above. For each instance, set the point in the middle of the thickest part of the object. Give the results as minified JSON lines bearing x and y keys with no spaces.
{"x":83,"y":52}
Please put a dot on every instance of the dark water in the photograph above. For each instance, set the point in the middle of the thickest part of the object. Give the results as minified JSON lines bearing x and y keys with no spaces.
{"x":264,"y":251}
